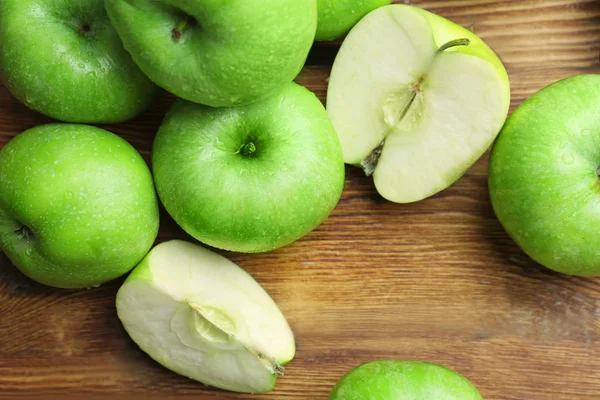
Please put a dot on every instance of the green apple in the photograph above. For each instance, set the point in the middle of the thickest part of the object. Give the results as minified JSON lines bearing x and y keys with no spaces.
{"x":77,"y":205}
{"x":337,"y":17}
{"x":202,"y":316}
{"x":406,"y":380}
{"x":250,"y":178}
{"x":415,"y":100}
{"x":214,"y":52}
{"x":65,"y":60}
{"x":544,"y":176}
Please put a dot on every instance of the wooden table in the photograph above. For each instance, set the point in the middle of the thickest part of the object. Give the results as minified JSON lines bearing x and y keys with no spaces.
{"x":438,"y":281}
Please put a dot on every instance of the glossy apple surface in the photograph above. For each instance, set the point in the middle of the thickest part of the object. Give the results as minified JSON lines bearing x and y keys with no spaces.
{"x":391,"y":379}
{"x":214,"y":52}
{"x":77,"y":205}
{"x":543,"y":176}
{"x":250,"y":178}
{"x":65,"y":60}
{"x":337,"y":17}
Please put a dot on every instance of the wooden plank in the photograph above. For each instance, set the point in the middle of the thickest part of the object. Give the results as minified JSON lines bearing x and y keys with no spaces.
{"x":438,"y":280}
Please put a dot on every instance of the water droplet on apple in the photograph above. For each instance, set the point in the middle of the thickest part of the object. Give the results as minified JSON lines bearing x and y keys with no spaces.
{"x":30,"y":99}
{"x":69,"y":195}
{"x":586,"y":132}
{"x":568,"y":158}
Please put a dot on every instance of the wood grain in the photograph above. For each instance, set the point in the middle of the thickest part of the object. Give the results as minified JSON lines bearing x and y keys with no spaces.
{"x":438,"y":281}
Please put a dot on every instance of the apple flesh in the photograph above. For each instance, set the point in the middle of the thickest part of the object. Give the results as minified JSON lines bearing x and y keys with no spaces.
{"x":65,"y":60}
{"x":543,"y":176}
{"x":214,"y":52}
{"x":251,"y":178}
{"x":77,"y":205}
{"x":337,"y":17}
{"x":391,"y":379}
{"x":202,"y":316}
{"x":415,"y":100}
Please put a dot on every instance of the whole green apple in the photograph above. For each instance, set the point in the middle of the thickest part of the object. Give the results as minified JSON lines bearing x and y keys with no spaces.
{"x":337,"y":17}
{"x":416,"y":100}
{"x":214,"y":52}
{"x":391,"y":379}
{"x":544,"y":176}
{"x":77,"y":205}
{"x":173,"y":306}
{"x":65,"y":60}
{"x":250,"y":178}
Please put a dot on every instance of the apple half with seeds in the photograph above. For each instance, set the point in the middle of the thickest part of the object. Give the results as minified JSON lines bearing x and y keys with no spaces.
{"x":416,"y":100}
{"x":203,"y":317}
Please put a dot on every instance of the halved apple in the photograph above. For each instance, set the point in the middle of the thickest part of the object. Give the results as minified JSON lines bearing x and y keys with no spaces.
{"x":202,"y":316}
{"x":415,"y":100}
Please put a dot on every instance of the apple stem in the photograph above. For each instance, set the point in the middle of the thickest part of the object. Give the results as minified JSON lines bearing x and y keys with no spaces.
{"x":454,"y":43}
{"x":248,"y":149}
{"x":182,"y":27}
{"x":369,"y":164}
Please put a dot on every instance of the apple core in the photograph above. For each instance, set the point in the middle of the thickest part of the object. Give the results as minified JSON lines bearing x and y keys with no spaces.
{"x":397,"y":106}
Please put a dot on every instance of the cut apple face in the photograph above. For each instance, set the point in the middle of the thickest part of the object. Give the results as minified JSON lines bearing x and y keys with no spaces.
{"x":203,"y":317}
{"x":415,"y":100}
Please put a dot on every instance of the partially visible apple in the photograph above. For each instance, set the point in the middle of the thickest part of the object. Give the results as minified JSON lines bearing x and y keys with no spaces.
{"x":250,"y":178}
{"x":337,"y":17}
{"x":65,"y":60}
{"x":202,"y":316}
{"x":415,"y":100}
{"x":77,"y":205}
{"x":544,"y":176}
{"x":214,"y":52}
{"x":410,"y":380}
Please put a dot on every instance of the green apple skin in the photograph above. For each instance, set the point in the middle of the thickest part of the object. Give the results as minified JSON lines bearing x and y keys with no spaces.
{"x":414,"y":380}
{"x":77,"y":205}
{"x":337,"y":17}
{"x":65,"y":60}
{"x":214,"y":52}
{"x":226,"y":195}
{"x":543,"y":176}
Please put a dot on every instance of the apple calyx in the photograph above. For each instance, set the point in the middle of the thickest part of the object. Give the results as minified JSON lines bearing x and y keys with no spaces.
{"x":24,"y":233}
{"x":370,"y":163}
{"x":84,"y":30}
{"x":268,"y":362}
{"x":185,"y":24}
{"x":393,"y":115}
{"x":218,"y":329}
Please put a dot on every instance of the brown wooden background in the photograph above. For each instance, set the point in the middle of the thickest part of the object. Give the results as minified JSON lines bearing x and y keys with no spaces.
{"x":438,"y":281}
